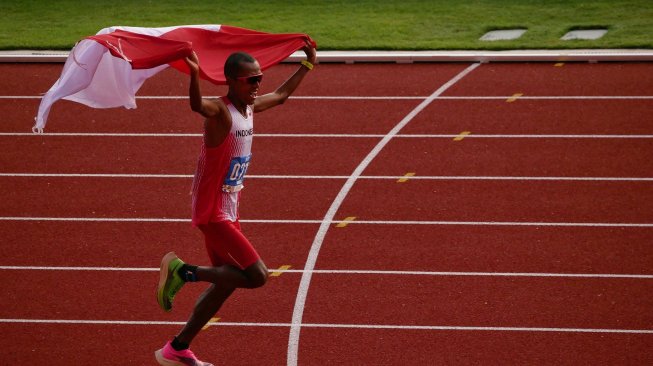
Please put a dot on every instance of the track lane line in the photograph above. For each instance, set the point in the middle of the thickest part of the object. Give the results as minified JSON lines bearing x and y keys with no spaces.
{"x":341,"y":135}
{"x":332,"y":221}
{"x":323,"y":325}
{"x":352,"y":272}
{"x":370,"y":177}
{"x":302,"y":292}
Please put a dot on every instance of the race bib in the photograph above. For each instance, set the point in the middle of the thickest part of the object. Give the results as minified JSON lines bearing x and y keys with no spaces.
{"x":236,"y":172}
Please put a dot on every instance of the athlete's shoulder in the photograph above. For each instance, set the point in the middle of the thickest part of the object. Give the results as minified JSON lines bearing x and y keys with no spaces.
{"x":221,"y":105}
{"x":224,"y":100}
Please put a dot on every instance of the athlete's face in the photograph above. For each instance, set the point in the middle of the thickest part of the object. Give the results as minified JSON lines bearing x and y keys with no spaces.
{"x":246,"y":85}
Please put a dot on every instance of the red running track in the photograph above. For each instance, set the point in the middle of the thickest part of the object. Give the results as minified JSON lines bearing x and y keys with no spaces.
{"x":430,"y":293}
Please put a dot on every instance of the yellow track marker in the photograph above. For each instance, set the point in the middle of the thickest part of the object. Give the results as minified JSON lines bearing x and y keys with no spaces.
{"x":346,"y":221}
{"x":559,"y":64}
{"x":211,"y":322}
{"x":280,"y":270}
{"x":514,"y":97}
{"x":406,"y":177}
{"x":461,"y":136}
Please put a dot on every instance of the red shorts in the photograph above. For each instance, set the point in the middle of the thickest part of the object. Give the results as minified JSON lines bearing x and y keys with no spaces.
{"x":226,"y":244}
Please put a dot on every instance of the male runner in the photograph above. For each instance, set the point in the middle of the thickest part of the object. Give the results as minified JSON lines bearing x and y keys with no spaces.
{"x":223,"y":161}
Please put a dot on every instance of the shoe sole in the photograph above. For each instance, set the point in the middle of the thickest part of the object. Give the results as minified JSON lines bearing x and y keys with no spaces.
{"x":163,"y":278}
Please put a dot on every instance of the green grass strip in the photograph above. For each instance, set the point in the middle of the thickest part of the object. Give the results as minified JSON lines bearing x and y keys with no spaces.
{"x":343,"y":25}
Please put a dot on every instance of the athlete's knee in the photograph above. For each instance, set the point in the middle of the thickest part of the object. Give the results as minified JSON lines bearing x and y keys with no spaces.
{"x":259,"y":278}
{"x":257,"y":275}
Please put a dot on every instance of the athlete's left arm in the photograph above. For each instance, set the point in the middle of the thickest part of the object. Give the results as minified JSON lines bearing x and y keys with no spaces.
{"x":286,"y":89}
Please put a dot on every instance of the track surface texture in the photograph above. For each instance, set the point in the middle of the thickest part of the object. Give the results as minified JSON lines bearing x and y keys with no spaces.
{"x":441,"y":214}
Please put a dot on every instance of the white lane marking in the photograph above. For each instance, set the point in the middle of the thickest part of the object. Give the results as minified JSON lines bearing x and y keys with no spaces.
{"x":503,"y":223}
{"x":341,"y":135}
{"x":142,"y":219}
{"x":530,"y":136}
{"x":330,"y":222}
{"x":350,"y":272}
{"x":302,"y":292}
{"x":100,"y":134}
{"x":90,"y":269}
{"x":370,"y":177}
{"x":94,"y":175}
{"x":147,"y":134}
{"x":341,"y":326}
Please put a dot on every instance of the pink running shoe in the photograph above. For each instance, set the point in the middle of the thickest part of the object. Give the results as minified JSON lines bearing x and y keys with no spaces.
{"x":168,"y":356}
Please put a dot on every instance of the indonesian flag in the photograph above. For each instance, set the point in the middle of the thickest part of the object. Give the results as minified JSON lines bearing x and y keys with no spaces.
{"x":106,"y":70}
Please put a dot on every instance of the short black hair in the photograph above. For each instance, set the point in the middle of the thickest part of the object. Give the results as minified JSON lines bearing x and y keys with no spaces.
{"x":232,"y":65}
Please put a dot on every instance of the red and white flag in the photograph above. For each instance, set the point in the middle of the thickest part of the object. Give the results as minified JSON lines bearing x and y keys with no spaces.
{"x":106,"y":70}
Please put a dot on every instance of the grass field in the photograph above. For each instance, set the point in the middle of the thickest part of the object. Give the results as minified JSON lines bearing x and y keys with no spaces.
{"x":362,"y":24}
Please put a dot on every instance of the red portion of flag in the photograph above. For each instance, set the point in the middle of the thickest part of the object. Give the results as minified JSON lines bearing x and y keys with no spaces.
{"x":212,"y":48}
{"x":143,"y":51}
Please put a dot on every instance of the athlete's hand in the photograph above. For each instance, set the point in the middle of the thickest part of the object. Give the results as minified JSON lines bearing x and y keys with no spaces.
{"x":311,"y":54}
{"x":193,"y":63}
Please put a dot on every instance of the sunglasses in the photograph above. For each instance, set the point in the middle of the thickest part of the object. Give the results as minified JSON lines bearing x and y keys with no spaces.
{"x":253,"y":79}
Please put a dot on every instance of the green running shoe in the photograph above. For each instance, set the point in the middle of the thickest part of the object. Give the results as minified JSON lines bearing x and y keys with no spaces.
{"x":169,"y":280}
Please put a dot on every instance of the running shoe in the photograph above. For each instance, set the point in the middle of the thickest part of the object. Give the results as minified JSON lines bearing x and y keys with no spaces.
{"x":169,"y":280}
{"x":168,"y":356}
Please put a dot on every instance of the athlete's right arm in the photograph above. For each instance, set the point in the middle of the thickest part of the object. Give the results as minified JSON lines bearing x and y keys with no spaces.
{"x":205,"y":107}
{"x":218,"y":118}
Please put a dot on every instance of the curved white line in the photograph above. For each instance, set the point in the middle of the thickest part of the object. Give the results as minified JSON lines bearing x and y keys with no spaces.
{"x":302,"y":292}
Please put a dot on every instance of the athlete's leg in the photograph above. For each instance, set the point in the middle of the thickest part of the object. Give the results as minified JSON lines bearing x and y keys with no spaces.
{"x":228,"y":250}
{"x":235,"y":264}
{"x":205,"y":308}
{"x":227,"y":279}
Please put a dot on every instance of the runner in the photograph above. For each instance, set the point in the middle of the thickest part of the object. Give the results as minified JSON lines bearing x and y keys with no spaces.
{"x":224,"y":158}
